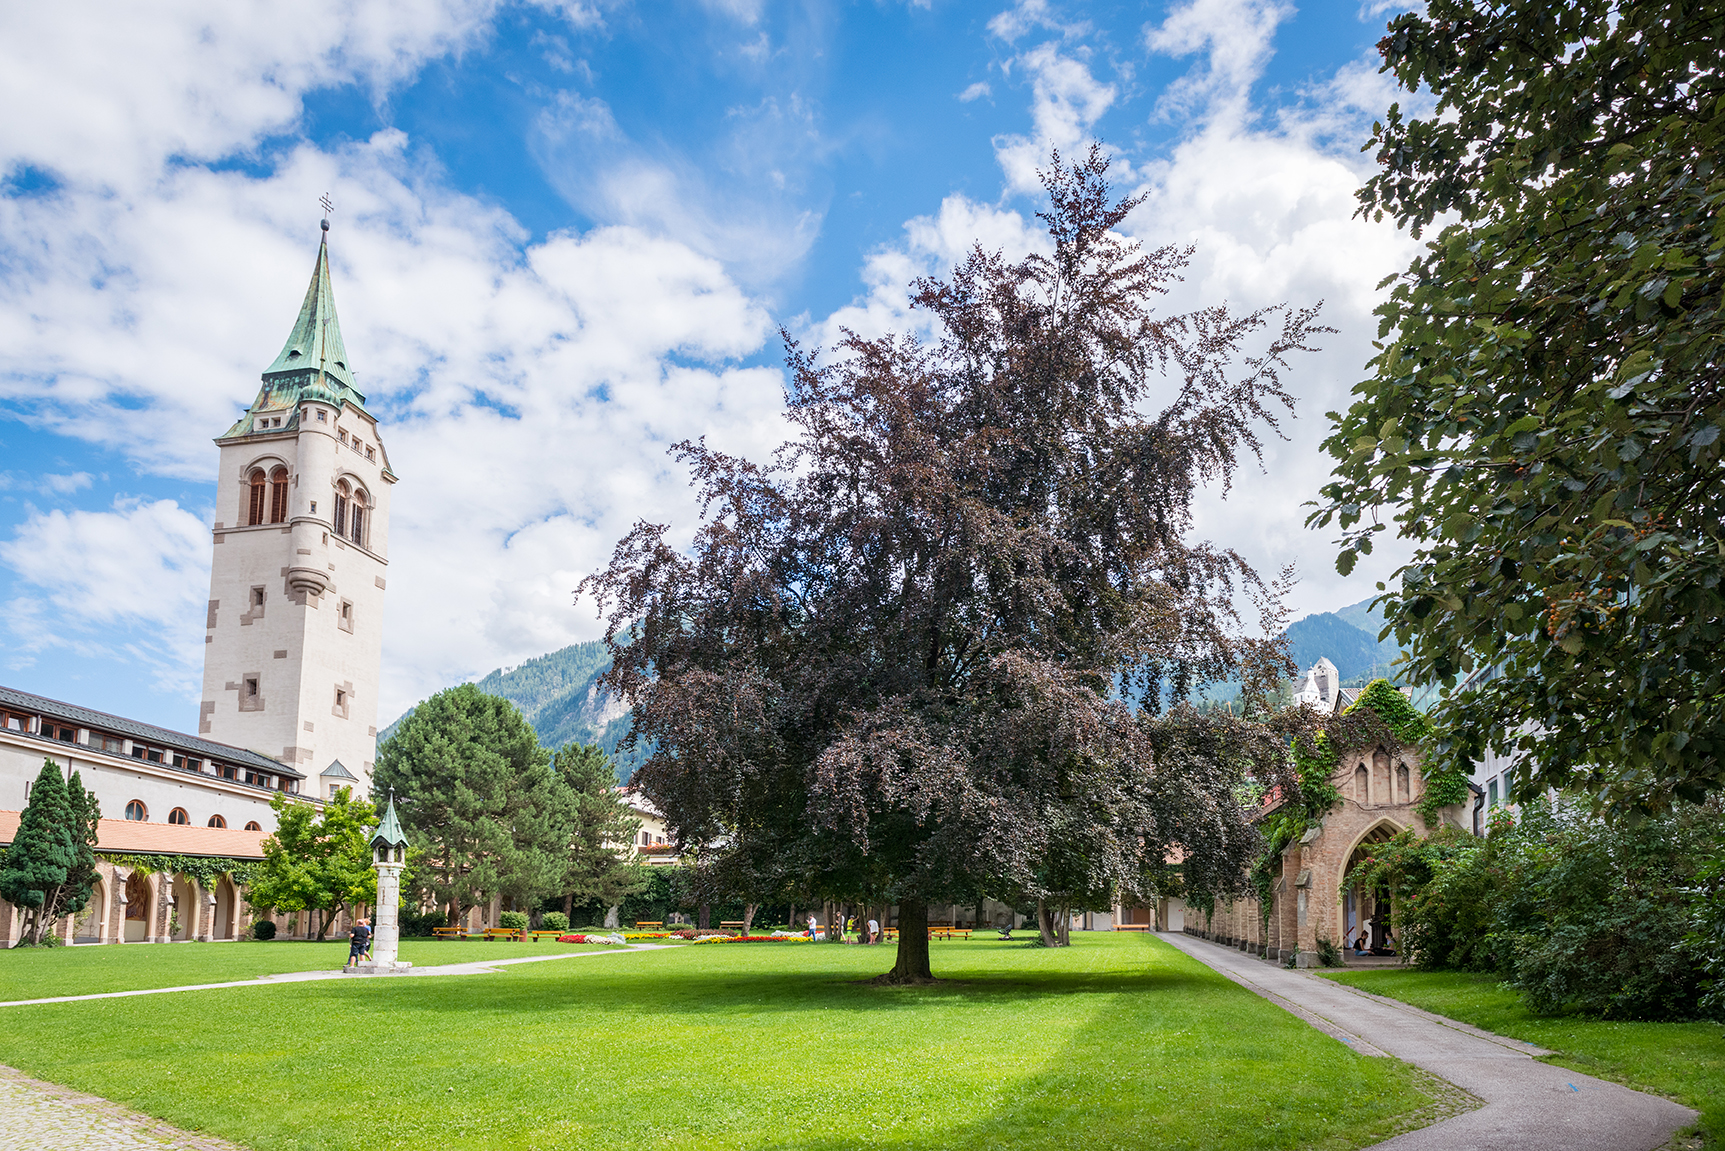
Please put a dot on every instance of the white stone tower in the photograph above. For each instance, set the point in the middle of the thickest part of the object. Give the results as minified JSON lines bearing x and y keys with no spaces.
{"x":301,"y":547}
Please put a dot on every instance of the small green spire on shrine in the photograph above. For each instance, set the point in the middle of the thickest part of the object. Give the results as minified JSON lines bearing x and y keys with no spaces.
{"x":315,"y":345}
{"x":389,"y":833}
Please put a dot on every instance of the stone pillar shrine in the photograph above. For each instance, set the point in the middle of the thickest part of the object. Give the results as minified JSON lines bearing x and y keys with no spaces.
{"x":389,"y":856}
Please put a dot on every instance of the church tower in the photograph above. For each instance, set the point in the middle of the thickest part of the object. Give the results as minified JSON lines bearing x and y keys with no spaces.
{"x":295,"y":622}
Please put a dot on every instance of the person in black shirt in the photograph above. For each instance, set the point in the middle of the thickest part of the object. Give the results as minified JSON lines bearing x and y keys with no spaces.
{"x":359,"y":941}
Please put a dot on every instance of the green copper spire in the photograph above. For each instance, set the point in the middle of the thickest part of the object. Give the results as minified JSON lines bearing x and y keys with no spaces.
{"x":315,"y":343}
{"x":389,"y":831}
{"x":312,"y":365}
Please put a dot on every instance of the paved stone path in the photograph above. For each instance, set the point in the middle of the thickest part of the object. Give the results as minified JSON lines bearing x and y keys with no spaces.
{"x":478,"y":967}
{"x":34,"y":1115}
{"x":1528,"y":1104}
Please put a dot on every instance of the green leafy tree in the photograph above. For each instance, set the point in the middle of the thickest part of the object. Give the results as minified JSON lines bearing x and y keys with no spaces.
{"x":599,"y":868}
{"x":317,"y":860}
{"x":479,"y":796}
{"x":1544,"y":416}
{"x":48,"y":870}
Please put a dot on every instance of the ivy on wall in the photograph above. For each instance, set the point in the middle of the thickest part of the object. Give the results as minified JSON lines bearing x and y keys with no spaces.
{"x":1381,"y":715}
{"x":205,"y":869}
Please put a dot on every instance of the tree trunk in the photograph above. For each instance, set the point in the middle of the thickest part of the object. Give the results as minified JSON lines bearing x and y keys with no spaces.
{"x":748,"y":917}
{"x":793,"y":917}
{"x":912,"y":965}
{"x":705,"y":919}
{"x":1066,"y":927}
{"x":978,"y":925}
{"x":1045,"y":925}
{"x":569,"y":906}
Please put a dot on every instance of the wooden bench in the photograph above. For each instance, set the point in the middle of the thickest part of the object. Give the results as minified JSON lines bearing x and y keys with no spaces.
{"x":503,"y":933}
{"x":644,"y":924}
{"x":542,"y":933}
{"x":449,"y":932}
{"x":733,"y":924}
{"x":1133,"y":927}
{"x":947,"y":931}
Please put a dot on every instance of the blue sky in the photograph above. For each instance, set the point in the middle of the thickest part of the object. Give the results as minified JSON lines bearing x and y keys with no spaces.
{"x":565,"y":236}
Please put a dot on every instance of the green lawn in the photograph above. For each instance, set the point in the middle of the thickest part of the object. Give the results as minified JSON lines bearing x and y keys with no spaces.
{"x":1682,"y":1061}
{"x":37,"y":973}
{"x":1119,"y":1041}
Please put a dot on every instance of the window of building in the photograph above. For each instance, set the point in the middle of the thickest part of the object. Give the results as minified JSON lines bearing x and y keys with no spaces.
{"x":252,"y":687}
{"x":278,"y":496}
{"x":340,"y":698}
{"x":106,"y":742}
{"x":12,"y":722}
{"x":341,"y":433}
{"x":255,"y":501}
{"x":178,"y":815}
{"x":341,"y":500}
{"x":136,"y":811}
{"x":152,"y":754}
{"x":224,"y":771}
{"x":257,"y":597}
{"x":60,"y":732}
{"x":217,"y":821}
{"x":358,"y":518}
{"x":321,"y":417}
{"x":369,"y":455}
{"x":1491,"y":794}
{"x":188,"y":762}
{"x":345,"y":619}
{"x":252,"y":825}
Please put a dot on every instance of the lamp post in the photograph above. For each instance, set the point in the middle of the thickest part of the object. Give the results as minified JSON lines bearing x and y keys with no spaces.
{"x":389,"y":856}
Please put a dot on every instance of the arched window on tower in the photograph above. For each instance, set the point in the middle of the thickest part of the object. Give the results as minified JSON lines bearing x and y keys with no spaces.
{"x":255,"y":505}
{"x":358,"y":516}
{"x":217,"y":821}
{"x":135,"y":810}
{"x":178,"y":815}
{"x":341,"y":501}
{"x":252,"y":825}
{"x":278,"y":496}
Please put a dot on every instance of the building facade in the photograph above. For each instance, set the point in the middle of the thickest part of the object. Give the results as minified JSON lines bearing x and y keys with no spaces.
{"x":292,"y":648}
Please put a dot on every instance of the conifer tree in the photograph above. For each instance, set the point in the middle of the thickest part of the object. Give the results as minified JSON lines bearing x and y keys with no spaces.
{"x":42,"y":854}
{"x":478,"y":796}
{"x":597,"y":872}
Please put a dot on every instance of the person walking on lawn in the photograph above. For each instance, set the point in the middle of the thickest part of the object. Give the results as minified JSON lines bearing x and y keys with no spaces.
{"x":359,"y":942}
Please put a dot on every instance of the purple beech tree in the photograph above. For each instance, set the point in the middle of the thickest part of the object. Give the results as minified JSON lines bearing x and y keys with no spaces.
{"x":900,"y":660}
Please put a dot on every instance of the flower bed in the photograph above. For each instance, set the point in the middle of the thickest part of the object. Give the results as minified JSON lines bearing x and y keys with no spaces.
{"x":753,"y":939}
{"x":617,"y":939}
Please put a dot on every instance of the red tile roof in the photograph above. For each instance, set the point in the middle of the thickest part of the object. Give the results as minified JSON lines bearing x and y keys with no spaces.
{"x":134,"y":837}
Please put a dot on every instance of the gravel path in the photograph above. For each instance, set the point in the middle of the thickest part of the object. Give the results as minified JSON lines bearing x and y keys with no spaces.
{"x":35,"y":1115}
{"x":1527,"y":1103}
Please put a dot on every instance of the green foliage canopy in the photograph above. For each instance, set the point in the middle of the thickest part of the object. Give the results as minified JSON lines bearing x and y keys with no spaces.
{"x":317,"y":860}
{"x":1544,"y":416}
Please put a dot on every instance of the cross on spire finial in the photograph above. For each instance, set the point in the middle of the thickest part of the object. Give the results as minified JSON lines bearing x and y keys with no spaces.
{"x":328,"y":207}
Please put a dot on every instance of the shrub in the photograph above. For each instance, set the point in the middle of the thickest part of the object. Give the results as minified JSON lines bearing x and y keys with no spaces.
{"x":1578,"y":914}
{"x":1328,"y":953}
{"x":264,"y":929}
{"x":554,"y":921}
{"x":420,"y":923}
{"x":514,"y":920}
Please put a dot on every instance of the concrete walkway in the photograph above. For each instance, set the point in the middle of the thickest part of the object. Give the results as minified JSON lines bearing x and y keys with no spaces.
{"x":478,"y":967}
{"x":1528,"y":1104}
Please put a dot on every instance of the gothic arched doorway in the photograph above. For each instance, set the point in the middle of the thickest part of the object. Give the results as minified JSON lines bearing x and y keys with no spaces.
{"x":1366,"y":911}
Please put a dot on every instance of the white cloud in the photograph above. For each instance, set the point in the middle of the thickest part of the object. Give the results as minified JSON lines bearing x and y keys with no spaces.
{"x":1066,"y":99}
{"x":88,"y":574}
{"x":103,"y":93}
{"x":739,"y":207}
{"x":975,"y":92}
{"x":1236,"y":37}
